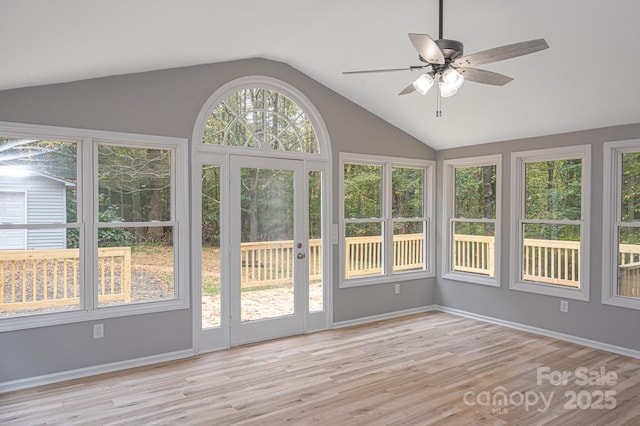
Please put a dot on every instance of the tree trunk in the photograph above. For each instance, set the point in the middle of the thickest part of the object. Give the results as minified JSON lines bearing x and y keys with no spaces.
{"x":253,"y":206}
{"x":550,"y":185}
{"x":489,"y":196}
{"x":156,"y":207}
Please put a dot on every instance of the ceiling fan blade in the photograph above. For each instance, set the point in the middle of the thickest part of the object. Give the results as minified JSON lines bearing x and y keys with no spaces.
{"x":485,"y":77}
{"x":411,"y":68}
{"x":407,"y":90}
{"x":501,"y":53}
{"x":427,"y":48}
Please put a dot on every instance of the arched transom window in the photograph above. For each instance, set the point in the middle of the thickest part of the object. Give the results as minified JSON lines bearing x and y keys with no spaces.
{"x":262,"y":119}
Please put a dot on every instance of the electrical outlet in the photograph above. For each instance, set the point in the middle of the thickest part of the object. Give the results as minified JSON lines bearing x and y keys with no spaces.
{"x":397,"y":289}
{"x":98,"y":331}
{"x":564,"y":306}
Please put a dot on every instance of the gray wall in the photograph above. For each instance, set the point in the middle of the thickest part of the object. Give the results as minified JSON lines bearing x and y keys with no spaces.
{"x":590,"y":320}
{"x":167,"y":103}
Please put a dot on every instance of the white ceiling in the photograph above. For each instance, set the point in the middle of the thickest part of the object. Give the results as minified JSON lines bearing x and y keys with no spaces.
{"x":587,"y":78}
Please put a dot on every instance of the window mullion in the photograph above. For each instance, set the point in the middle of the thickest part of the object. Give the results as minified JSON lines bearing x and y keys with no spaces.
{"x":88,"y":246}
{"x":387,"y":230}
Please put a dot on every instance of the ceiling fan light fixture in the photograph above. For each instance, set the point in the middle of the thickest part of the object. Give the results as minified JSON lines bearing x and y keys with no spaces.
{"x":423,"y":83}
{"x":452,"y":78}
{"x":447,"y":90}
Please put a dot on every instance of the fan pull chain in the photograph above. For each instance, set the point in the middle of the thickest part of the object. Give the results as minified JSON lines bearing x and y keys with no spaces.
{"x":438,"y":100}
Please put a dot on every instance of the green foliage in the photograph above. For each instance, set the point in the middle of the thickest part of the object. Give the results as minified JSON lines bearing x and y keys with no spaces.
{"x":362,"y":191}
{"x":210,"y":286}
{"x":107,"y":237}
{"x":553,"y":191}
{"x":113,"y":237}
{"x":475,"y":192}
{"x":210,"y":180}
{"x":408,"y":192}
{"x":630,"y":208}
{"x":475,"y":228}
{"x":315,"y":204}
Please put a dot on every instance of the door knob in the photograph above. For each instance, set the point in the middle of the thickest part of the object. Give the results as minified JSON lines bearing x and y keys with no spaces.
{"x":300,"y":255}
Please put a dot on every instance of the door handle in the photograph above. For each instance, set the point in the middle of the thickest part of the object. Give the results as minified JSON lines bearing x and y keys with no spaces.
{"x":300,"y":255}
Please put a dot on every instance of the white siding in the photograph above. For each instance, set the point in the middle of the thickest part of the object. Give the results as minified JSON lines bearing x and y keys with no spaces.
{"x":45,"y":204}
{"x":13,"y":209}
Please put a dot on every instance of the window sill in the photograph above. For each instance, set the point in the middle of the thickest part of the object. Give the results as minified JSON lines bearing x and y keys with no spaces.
{"x":385,"y":279}
{"x":472,"y":278}
{"x":552,"y":290}
{"x":623,"y":302}
{"x":70,"y":317}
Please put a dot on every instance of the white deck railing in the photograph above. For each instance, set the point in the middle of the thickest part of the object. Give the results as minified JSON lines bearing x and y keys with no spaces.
{"x":24,"y":274}
{"x":36,"y":279}
{"x":363,"y":255}
{"x":271,"y":263}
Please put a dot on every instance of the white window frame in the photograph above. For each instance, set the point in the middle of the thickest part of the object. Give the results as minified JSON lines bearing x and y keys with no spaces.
{"x":87,"y":223}
{"x":448,"y":212}
{"x":611,"y":221}
{"x":518,"y":161}
{"x":387,"y":163}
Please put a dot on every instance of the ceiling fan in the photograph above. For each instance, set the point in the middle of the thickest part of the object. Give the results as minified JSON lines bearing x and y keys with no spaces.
{"x":444,"y":63}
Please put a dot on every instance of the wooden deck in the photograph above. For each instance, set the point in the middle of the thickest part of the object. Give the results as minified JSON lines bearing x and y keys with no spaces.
{"x":416,"y":370}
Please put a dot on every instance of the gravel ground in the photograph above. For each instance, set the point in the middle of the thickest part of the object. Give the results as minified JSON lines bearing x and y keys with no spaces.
{"x":260,"y":304}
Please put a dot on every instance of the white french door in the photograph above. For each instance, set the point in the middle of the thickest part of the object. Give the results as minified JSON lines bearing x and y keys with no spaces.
{"x":259,"y":256}
{"x":269,"y":241}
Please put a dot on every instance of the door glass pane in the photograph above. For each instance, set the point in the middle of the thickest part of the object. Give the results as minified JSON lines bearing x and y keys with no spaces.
{"x":628,"y":262}
{"x":551,"y":254}
{"x":266,"y":249}
{"x":473,"y":248}
{"x":315,"y":242}
{"x":210,"y":246}
{"x":408,"y":246}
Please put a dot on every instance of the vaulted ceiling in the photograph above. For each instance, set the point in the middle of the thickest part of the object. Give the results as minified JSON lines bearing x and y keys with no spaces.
{"x":587,"y":78}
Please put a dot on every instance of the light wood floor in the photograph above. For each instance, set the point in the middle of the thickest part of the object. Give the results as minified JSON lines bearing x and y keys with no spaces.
{"x":433,"y":368}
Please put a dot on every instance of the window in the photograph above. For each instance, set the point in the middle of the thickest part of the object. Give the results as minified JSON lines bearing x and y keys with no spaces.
{"x":135,"y":218}
{"x":621,"y":227}
{"x":40,"y":225}
{"x":83,"y":239}
{"x":263,"y":119}
{"x":471,"y":208}
{"x":550,"y":222}
{"x":386,"y":211}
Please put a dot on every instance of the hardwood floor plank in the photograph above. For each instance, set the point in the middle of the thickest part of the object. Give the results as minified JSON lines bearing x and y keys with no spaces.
{"x":433,"y":368}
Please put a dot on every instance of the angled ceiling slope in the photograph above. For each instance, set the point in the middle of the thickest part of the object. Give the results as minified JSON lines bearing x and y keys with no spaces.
{"x":583,"y":81}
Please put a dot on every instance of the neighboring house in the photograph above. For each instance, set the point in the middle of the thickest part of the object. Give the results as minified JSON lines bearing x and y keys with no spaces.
{"x":32,"y":197}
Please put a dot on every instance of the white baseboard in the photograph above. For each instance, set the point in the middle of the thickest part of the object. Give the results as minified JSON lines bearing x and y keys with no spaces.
{"x":91,"y":371}
{"x":543,"y":332}
{"x":381,"y":317}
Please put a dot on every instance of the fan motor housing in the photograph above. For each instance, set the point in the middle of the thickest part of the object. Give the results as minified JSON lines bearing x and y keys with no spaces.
{"x":451,"y":49}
